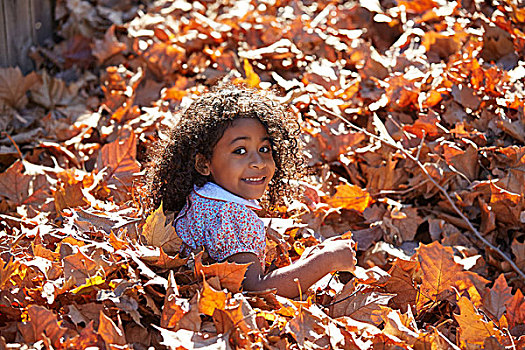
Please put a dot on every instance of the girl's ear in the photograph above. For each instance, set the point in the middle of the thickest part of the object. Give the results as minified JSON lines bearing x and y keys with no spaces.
{"x":202,"y":164}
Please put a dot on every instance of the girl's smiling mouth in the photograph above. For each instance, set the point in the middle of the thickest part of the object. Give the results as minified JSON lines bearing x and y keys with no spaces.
{"x":254,"y":180}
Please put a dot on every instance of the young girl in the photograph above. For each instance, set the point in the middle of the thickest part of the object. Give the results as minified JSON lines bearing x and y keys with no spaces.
{"x":233,"y":147}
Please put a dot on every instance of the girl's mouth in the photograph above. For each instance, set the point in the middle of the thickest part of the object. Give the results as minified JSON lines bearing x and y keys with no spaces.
{"x":254,"y":180}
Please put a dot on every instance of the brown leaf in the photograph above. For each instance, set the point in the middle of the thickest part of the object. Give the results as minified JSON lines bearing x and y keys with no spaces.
{"x":158,"y":234}
{"x":42,"y":323}
{"x":230,"y":275}
{"x":109,"y":46}
{"x":13,"y":87}
{"x":80,"y":267}
{"x":518,"y":249}
{"x":495,"y":299}
{"x":364,"y":306}
{"x":516,"y":309}
{"x":472,"y":328}
{"x":440,"y":272}
{"x":465,"y":162}
{"x":22,"y":188}
{"x":109,"y":331}
{"x":401,"y":283}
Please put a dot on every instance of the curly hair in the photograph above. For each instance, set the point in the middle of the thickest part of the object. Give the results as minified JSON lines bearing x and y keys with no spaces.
{"x":172,"y":174}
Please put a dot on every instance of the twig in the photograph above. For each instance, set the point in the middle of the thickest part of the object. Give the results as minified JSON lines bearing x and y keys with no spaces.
{"x":441,"y":189}
{"x":357,"y":290}
{"x":14,"y":144}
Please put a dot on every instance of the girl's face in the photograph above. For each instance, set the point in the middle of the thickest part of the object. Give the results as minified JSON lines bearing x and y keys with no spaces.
{"x":242,"y":161}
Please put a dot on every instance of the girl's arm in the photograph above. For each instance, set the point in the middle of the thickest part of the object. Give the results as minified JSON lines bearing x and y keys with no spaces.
{"x":333,"y":255}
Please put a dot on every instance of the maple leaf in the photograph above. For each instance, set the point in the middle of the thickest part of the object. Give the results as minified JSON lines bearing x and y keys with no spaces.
{"x":118,"y":160}
{"x":440,"y":272}
{"x":109,"y":331}
{"x":350,"y":197}
{"x":42,"y":323}
{"x":364,"y":306}
{"x":174,"y":307}
{"x":495,"y":299}
{"x":401,"y":283}
{"x":515,"y":309}
{"x":158,"y":234}
{"x":230,"y":275}
{"x":109,"y":46}
{"x":80,"y":267}
{"x":23,"y":188}
{"x":472,"y":328}
{"x":13,"y":87}
{"x":211,"y":299}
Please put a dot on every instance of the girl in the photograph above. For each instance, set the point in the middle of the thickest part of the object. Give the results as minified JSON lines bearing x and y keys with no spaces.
{"x":233,"y":147}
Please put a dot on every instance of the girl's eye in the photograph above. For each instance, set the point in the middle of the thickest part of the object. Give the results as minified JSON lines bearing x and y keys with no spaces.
{"x":265,"y":149}
{"x":240,"y":151}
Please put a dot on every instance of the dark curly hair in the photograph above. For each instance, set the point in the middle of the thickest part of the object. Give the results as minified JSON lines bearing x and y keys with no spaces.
{"x":172,"y":173}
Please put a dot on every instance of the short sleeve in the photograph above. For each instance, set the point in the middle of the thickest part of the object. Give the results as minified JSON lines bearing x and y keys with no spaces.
{"x":239,"y":230}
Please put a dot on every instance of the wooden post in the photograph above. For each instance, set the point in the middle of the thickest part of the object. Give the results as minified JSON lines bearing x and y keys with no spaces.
{"x":23,"y":23}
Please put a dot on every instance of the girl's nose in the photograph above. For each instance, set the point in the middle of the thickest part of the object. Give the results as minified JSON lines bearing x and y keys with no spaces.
{"x":257,"y":161}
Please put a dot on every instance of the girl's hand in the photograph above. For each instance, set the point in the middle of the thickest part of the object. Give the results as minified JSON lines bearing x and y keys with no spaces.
{"x":339,"y":253}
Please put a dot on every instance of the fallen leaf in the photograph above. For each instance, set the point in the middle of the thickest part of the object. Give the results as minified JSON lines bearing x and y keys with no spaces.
{"x":350,"y":197}
{"x":158,"y":234}
{"x":230,"y":275}
{"x":42,"y":323}
{"x":472,"y":328}
{"x":13,"y":87}
{"x":109,"y":331}
{"x":109,"y":46}
{"x":439,"y":270}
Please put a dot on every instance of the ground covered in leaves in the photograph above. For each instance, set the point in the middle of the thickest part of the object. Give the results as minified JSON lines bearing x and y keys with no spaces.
{"x":413,"y":119}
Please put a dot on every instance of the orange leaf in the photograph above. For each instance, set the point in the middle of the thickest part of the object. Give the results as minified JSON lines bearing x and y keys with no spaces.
{"x":118,"y":158}
{"x":230,"y":275}
{"x":252,"y":79}
{"x":42,"y":322}
{"x":109,"y":331}
{"x":440,"y":272}
{"x":174,"y":307}
{"x":211,"y":299}
{"x":158,"y":234}
{"x":472,"y":328}
{"x":350,"y":197}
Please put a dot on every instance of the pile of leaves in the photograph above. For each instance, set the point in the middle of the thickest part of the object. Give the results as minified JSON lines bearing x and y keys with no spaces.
{"x":414,"y":126}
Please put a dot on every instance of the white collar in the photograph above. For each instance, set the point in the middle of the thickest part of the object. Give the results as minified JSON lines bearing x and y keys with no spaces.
{"x":211,"y":190}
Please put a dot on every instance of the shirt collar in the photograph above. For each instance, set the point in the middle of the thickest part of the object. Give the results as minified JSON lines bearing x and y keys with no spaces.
{"x":211,"y":190}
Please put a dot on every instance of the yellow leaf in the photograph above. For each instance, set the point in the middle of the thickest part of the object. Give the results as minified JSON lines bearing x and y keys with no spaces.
{"x":92,"y":281}
{"x":158,"y":234}
{"x":350,"y":197}
{"x":252,"y":79}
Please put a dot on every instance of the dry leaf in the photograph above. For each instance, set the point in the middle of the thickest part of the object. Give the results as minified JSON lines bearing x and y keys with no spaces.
{"x":158,"y":234}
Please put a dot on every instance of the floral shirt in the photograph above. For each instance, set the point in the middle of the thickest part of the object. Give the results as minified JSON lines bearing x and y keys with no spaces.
{"x":222,"y":222}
